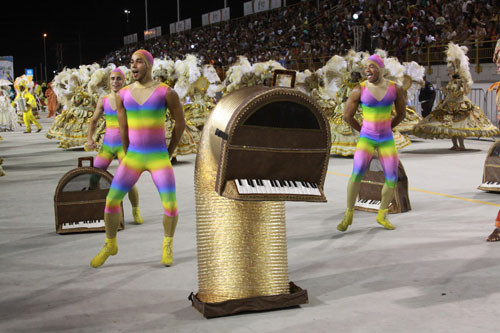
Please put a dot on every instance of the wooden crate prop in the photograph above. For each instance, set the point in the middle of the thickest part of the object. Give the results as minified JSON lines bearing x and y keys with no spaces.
{"x":371,"y":190}
{"x":80,"y":199}
{"x":491,"y":171}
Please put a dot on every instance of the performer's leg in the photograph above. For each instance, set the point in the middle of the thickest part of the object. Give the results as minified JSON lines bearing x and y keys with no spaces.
{"x":461,"y":145}
{"x":133,"y":194}
{"x":388,"y":157}
{"x":31,"y":118}
{"x":126,"y":176}
{"x":26,"y":119}
{"x":37,"y":124}
{"x":455,"y":144}
{"x":362,"y":157}
{"x":495,"y":235}
{"x":164,"y":180}
{"x":101,"y":161}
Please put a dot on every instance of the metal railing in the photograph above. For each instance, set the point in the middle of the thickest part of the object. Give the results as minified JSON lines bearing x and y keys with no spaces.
{"x":486,"y":100}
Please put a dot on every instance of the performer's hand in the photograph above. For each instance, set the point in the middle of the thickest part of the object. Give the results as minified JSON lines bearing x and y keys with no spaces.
{"x":90,"y":145}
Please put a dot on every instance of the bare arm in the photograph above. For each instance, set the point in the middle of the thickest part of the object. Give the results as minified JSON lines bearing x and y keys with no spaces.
{"x":400,"y":105}
{"x":121,"y":114}
{"x":351,"y":106}
{"x":175,"y":107}
{"x":99,"y":109}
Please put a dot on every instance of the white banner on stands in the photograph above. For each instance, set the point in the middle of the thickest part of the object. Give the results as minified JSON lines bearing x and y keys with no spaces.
{"x":248,"y":8}
{"x":152,"y":33}
{"x":130,"y":39}
{"x":179,"y":26}
{"x":215,"y":16}
{"x":172,"y":28}
{"x":260,"y":6}
{"x":275,"y":4}
{"x":204,"y":20}
{"x":226,"y":16}
{"x":187,"y":24}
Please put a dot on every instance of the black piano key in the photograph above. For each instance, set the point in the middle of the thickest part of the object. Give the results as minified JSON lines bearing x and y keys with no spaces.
{"x":287,"y":183}
{"x":314,"y":185}
{"x":294,"y":183}
{"x":282,"y":183}
{"x":273,"y":183}
{"x":240,"y":182}
{"x":259,"y":182}
{"x":250,"y":182}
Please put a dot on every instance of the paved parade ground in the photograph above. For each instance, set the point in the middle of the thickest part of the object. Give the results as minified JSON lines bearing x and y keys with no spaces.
{"x":434,"y":273}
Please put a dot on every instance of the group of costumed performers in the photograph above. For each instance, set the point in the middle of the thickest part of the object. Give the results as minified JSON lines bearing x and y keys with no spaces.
{"x":70,"y":127}
{"x":377,"y":97}
{"x":141,"y":109}
{"x":455,"y":116}
{"x":495,"y":235}
{"x":196,"y":87}
{"x":25,"y":102}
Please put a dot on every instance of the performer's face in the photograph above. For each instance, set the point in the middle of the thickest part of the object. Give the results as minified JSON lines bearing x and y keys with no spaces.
{"x":115,"y":81}
{"x":372,"y":73}
{"x":139,"y":67}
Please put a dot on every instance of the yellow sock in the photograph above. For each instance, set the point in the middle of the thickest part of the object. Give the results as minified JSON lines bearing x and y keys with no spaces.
{"x":137,"y":215}
{"x":167,"y":256}
{"x":382,"y":219}
{"x":110,"y":248}
{"x":347,"y":220}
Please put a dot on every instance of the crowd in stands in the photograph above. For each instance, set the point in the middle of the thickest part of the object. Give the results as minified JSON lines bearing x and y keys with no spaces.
{"x":320,"y":29}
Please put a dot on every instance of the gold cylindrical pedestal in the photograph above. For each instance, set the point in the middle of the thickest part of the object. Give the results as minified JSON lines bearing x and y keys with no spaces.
{"x":242,"y":249}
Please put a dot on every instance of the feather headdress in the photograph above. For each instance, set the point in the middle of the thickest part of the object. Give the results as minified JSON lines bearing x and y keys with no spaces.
{"x":458,"y":63}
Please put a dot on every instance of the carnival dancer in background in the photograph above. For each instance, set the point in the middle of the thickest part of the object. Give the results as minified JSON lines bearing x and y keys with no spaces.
{"x":495,"y":235}
{"x":112,"y":145}
{"x":377,"y":96}
{"x":8,"y":116}
{"x":456,"y":116}
{"x":141,"y":112}
{"x":25,"y":102}
{"x":52,"y":103}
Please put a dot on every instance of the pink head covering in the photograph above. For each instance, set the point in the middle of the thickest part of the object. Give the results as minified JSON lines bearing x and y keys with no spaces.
{"x":375,"y":59}
{"x":146,"y":55}
{"x":119,"y":71}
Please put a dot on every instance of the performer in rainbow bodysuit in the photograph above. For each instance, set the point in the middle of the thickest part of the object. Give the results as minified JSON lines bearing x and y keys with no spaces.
{"x":141,"y":111}
{"x":377,"y":96}
{"x":112,"y":145}
{"x":495,"y":235}
{"x":25,"y":102}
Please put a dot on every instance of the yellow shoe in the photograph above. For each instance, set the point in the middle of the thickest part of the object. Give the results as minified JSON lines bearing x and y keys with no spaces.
{"x":346,"y":221}
{"x":168,"y":257}
{"x":109,"y":249}
{"x":137,"y":215}
{"x":383,"y":221}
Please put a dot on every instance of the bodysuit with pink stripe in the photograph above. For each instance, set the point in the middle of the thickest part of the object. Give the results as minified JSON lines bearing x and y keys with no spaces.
{"x":147,"y":151}
{"x":112,"y":143}
{"x":376,"y":132}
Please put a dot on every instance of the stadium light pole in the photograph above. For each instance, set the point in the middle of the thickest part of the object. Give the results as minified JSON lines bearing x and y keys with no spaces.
{"x":146,"y":5}
{"x":178,"y":11}
{"x":45,"y":55}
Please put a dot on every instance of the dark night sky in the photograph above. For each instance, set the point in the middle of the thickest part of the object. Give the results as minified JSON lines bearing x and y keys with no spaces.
{"x":91,"y":31}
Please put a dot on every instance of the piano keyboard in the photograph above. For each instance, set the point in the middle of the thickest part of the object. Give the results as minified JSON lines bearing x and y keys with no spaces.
{"x":367,"y":203}
{"x":265,"y":186}
{"x":490,"y":185}
{"x":83,"y":224}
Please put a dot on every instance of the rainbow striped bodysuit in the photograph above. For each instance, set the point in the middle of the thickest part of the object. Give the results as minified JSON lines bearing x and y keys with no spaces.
{"x":376,"y":132}
{"x":112,"y":144}
{"x":147,"y":150}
